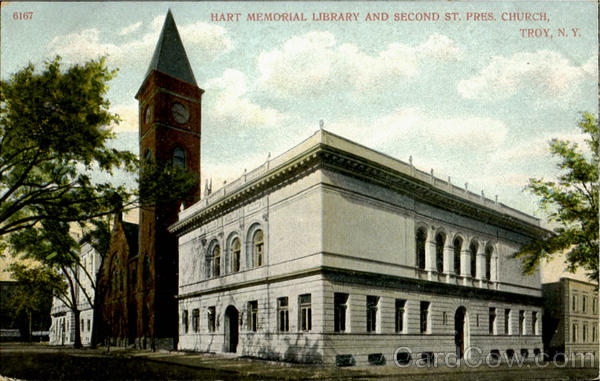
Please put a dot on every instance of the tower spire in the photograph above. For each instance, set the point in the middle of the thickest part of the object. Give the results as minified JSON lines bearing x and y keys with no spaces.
{"x":169,"y":55}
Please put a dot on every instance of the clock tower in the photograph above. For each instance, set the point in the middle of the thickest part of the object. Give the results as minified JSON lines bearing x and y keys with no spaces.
{"x":170,"y":126}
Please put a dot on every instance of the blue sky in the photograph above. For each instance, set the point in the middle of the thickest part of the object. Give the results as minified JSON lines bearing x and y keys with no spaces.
{"x":473,"y":100}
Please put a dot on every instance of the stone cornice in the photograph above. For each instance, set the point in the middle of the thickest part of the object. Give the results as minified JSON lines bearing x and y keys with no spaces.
{"x":326,"y":156}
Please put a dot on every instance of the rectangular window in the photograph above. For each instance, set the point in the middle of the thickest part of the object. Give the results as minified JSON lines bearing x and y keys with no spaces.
{"x":534,"y":322}
{"x":584,"y":303}
{"x":584,"y":333}
{"x":507,"y":322}
{"x":89,"y":325}
{"x":253,"y":316}
{"x":305,"y":312}
{"x":595,"y":306}
{"x":445,"y":318}
{"x":212,"y":312}
{"x":574,"y":303}
{"x":400,"y":315}
{"x":340,"y":306}
{"x":594,"y":333}
{"x":195,"y":320}
{"x":574,"y":333}
{"x":521,"y":322}
{"x":425,"y":317}
{"x":184,"y":321}
{"x":492,"y":329}
{"x":283,"y":324}
{"x":372,"y":302}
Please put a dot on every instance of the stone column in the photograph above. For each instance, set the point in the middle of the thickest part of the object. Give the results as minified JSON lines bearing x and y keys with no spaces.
{"x":494,"y":267}
{"x":480,"y":263}
{"x":465,"y":263}
{"x":448,"y":258}
{"x":430,"y":253}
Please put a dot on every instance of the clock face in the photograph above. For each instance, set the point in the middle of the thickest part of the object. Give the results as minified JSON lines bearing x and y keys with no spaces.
{"x":148,"y":114}
{"x":181,"y":114}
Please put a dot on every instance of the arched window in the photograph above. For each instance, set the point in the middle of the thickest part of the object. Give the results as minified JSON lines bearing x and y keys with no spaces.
{"x":473,"y":251}
{"x":236,"y":250}
{"x":457,"y":248}
{"x":440,"y":238}
{"x":258,"y":247}
{"x":421,"y":238}
{"x":216,"y":260}
{"x":179,"y":157}
{"x":488,"y":262}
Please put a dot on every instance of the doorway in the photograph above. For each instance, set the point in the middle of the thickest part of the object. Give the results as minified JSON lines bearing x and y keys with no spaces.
{"x":459,"y":331}
{"x":231,"y":329}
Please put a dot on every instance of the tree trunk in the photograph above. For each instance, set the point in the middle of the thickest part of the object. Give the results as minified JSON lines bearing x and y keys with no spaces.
{"x":77,"y":338}
{"x":29,"y":318}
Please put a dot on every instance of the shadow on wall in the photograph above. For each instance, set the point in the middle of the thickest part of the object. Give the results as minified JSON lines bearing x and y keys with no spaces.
{"x":300,"y":351}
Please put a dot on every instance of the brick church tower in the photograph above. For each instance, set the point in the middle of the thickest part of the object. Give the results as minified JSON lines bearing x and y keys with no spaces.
{"x":170,"y":126}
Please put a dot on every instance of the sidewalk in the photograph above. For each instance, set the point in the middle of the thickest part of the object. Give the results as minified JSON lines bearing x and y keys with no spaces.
{"x":257,"y":368}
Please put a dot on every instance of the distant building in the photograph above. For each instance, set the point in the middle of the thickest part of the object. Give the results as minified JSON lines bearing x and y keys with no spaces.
{"x":571,"y":317}
{"x":62,"y":328}
{"x":9,"y":329}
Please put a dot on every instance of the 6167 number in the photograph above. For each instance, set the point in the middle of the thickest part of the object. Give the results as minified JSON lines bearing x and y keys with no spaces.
{"x":22,"y":15}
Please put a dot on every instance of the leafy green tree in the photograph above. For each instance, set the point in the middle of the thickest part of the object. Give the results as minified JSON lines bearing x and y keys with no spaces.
{"x":55,"y":130}
{"x":35,"y":288}
{"x":571,"y":204}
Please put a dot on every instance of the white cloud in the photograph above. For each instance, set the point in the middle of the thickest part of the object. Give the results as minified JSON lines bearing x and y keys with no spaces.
{"x":203,"y":39}
{"x":537,"y":148}
{"x":546,"y":72}
{"x":130,"y":28}
{"x":314,"y":64}
{"x":129,"y":117}
{"x":421,"y":128}
{"x":232,"y":106}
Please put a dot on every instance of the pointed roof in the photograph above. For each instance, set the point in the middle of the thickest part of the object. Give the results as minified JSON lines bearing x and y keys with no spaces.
{"x":169,"y":56}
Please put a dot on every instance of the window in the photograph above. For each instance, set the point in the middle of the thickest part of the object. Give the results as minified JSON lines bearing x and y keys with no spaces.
{"x":82,"y":325}
{"x":236,"y":249}
{"x":283,"y":324}
{"x":89,"y":325}
{"x":179,"y":157}
{"x":421,"y":238}
{"x":574,"y":303}
{"x":440,"y":239}
{"x":507,"y":322}
{"x":477,"y":320}
{"x":195,"y":320}
{"x":184,"y":321}
{"x":258,"y":248}
{"x":253,"y":316}
{"x":574,"y":334}
{"x":305,"y":312}
{"x":492,"y":328}
{"x":522,"y":322}
{"x":584,"y":303}
{"x":445,"y":318}
{"x":473,"y":251}
{"x":372,"y":302}
{"x":340,"y":306}
{"x":212,"y":317}
{"x":488,"y":262}
{"x":584,"y":333}
{"x":595,"y":305}
{"x":216,"y":261}
{"x":457,"y":249}
{"x":424,"y":317}
{"x":534,"y":322}
{"x":594,"y":333}
{"x":400,"y":314}
{"x":148,"y":155}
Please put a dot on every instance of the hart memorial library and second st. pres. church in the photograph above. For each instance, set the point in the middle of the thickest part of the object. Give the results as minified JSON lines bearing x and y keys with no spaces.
{"x":330,"y":252}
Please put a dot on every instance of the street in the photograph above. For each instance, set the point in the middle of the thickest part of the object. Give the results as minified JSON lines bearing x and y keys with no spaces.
{"x":43,"y":362}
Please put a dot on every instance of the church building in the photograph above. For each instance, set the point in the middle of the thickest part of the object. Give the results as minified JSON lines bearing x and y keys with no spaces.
{"x":139,"y":276}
